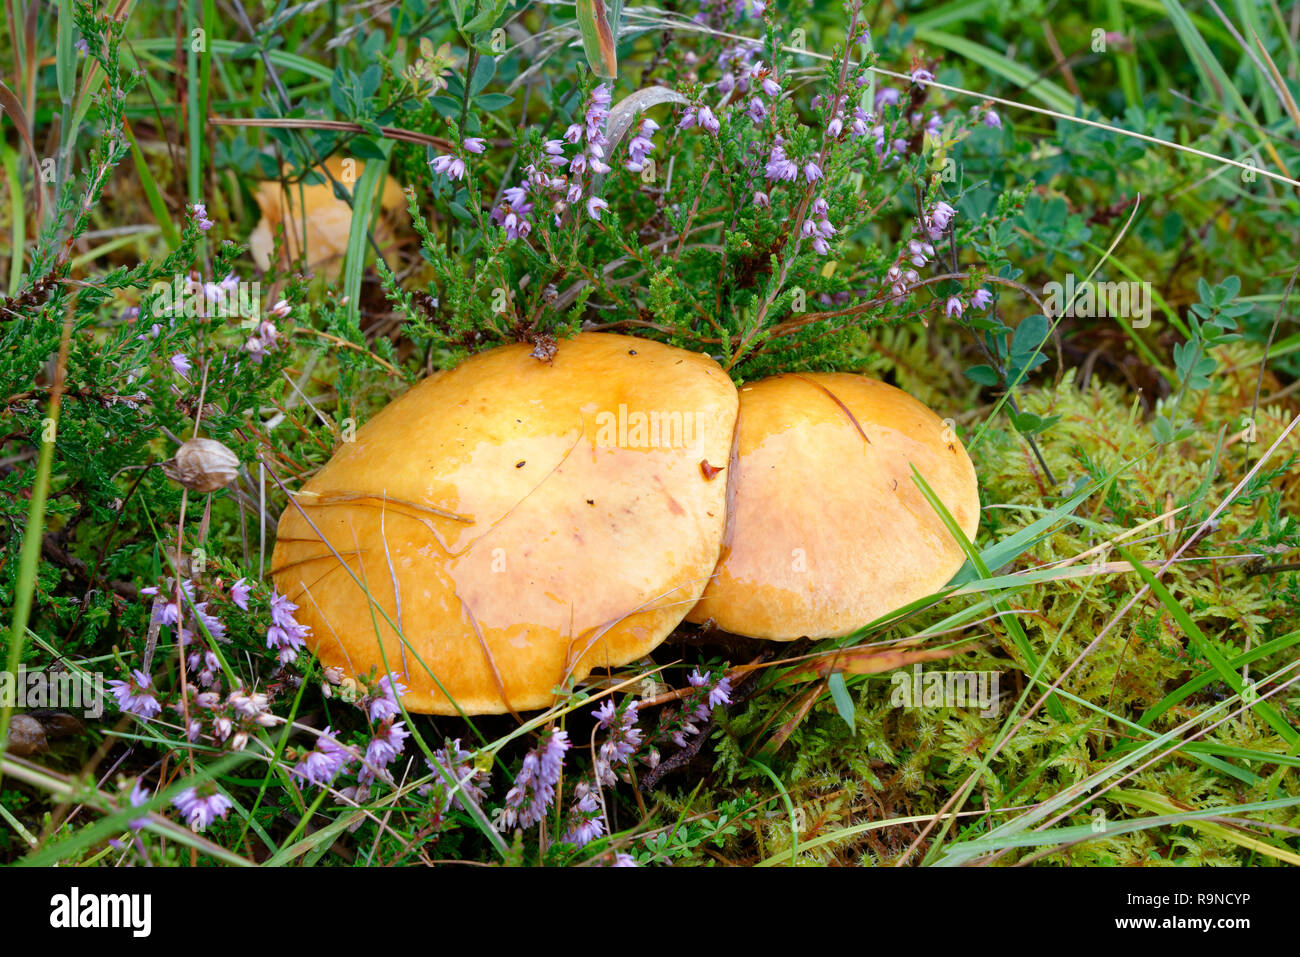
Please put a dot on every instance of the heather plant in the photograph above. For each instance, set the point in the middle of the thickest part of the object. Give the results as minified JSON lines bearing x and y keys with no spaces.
{"x":784,"y":186}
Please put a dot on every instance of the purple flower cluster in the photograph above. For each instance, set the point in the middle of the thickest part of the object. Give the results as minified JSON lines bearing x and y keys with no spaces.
{"x":545,"y":183}
{"x":709,"y":691}
{"x":383,"y":749}
{"x":938,"y":218}
{"x":139,"y":796}
{"x":135,"y":695}
{"x":740,"y":67}
{"x":622,"y":741}
{"x":819,"y":229}
{"x":200,"y":213}
{"x":200,"y":810}
{"x":285,"y":634}
{"x":640,"y":146}
{"x":702,"y":117}
{"x":230,"y":721}
{"x":457,"y":761}
{"x":326,"y":761}
{"x":586,"y":822}
{"x":534,"y":788}
{"x":382,"y":705}
{"x":452,"y":165}
{"x":169,"y":612}
{"x":780,"y":168}
{"x":901,"y":280}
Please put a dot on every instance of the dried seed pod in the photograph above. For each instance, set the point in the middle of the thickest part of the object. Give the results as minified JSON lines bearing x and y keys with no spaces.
{"x":203,"y":465}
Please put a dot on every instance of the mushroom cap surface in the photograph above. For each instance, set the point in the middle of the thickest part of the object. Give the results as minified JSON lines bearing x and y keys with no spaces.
{"x":827,"y":530}
{"x":521,"y":521}
{"x":328,"y":218}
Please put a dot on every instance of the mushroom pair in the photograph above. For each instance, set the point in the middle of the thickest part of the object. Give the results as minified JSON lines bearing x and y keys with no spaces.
{"x":508,"y":525}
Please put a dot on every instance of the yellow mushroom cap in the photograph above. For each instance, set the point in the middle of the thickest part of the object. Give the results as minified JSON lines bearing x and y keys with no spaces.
{"x":522,"y":521}
{"x":328,"y":219}
{"x":827,"y":529}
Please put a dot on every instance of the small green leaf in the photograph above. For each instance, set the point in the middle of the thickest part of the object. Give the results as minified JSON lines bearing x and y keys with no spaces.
{"x":984,"y":375}
{"x":843,"y":701}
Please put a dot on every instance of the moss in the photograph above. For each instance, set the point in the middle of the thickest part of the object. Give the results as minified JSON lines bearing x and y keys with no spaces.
{"x":903,"y":762}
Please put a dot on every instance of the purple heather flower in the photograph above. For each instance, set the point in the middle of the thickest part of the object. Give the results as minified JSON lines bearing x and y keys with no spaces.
{"x":756,"y":111}
{"x":721,"y":693}
{"x":135,"y":697}
{"x":938,"y":219}
{"x":219,"y":291}
{"x":239,"y":594}
{"x":473,"y":144}
{"x":200,"y":212}
{"x":992,"y":120}
{"x":762,"y":200}
{"x":383,"y":706}
{"x":139,"y":796}
{"x":922,"y":77}
{"x":181,"y":365}
{"x":323,"y":764}
{"x":200,"y":811}
{"x":861,"y":122}
{"x":885,"y":96}
{"x":718,"y":693}
{"x":708,"y":121}
{"x":953,"y":307}
{"x":383,"y":749}
{"x":641,"y":146}
{"x":534,"y":788}
{"x":594,"y":206}
{"x":285,"y":634}
{"x":981,"y":298}
{"x":248,"y":704}
{"x":770,"y":86}
{"x":812,"y":172}
{"x":452,"y":166}
{"x":623,"y":740}
{"x":779,"y":166}
{"x":835,"y":127}
{"x":215,"y":627}
{"x":456,"y":760}
{"x":586,"y":822}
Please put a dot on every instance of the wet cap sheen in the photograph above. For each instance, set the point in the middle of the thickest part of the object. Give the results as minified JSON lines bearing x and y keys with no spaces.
{"x":521,"y":521}
{"x":828,"y":531}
